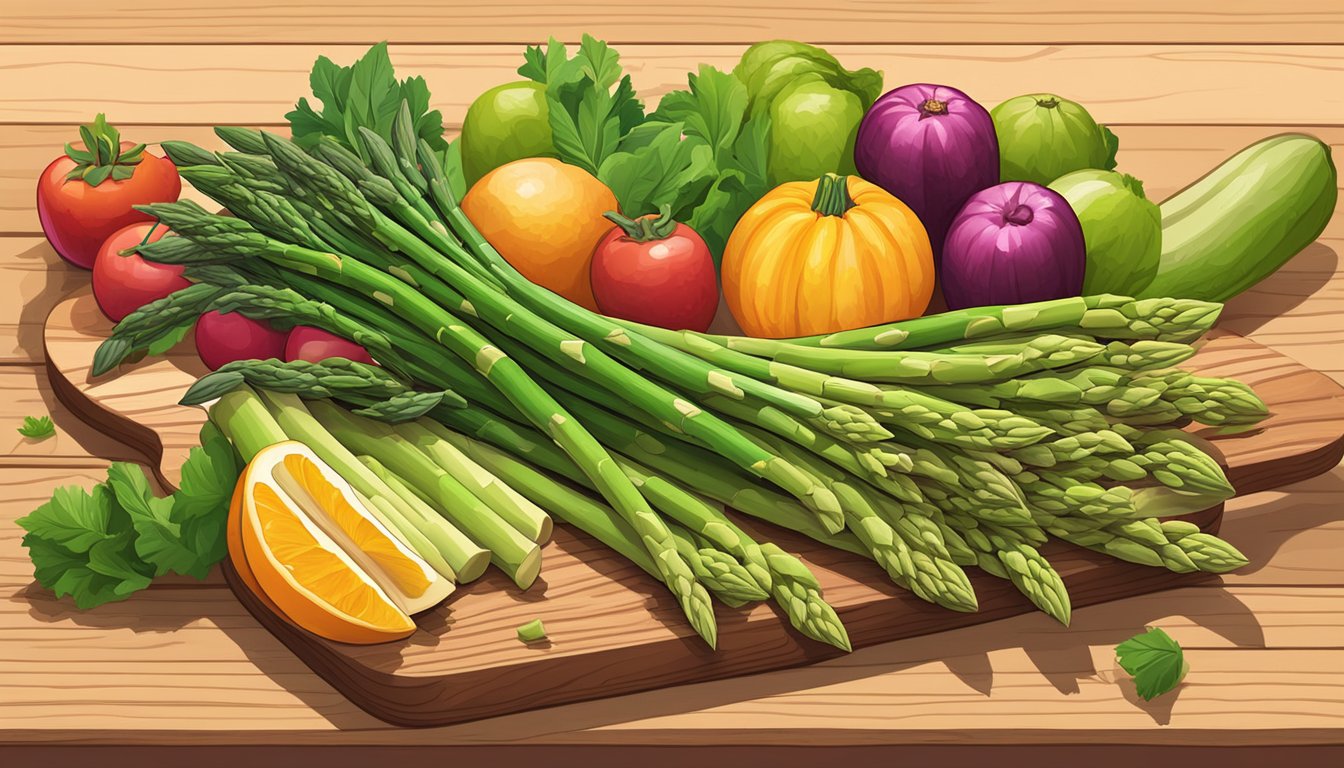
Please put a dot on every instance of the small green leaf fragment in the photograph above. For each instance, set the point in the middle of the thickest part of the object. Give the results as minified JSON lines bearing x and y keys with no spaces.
{"x":1155,"y":661}
{"x":37,"y":427}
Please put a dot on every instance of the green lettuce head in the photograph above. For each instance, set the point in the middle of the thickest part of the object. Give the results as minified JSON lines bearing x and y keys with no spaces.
{"x":1122,"y":230}
{"x":1042,"y":137}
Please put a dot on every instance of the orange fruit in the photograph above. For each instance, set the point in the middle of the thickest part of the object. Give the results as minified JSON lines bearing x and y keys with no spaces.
{"x":304,"y":543}
{"x":545,"y":218}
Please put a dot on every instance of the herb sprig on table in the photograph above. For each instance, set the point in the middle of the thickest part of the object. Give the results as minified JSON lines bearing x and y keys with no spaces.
{"x":106,"y":544}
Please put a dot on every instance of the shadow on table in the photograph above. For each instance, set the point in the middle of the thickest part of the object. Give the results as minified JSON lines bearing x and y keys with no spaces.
{"x":1282,"y":291}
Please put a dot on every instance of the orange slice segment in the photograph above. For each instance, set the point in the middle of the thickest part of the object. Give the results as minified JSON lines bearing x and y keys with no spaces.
{"x":311,"y":579}
{"x":303,"y":477}
{"x":303,"y":541}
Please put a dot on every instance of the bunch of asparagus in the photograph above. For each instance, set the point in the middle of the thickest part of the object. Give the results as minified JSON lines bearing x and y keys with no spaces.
{"x":929,"y":446}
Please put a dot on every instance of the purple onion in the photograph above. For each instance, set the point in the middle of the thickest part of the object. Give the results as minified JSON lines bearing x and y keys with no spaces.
{"x":1010,"y":244}
{"x":932,"y":147}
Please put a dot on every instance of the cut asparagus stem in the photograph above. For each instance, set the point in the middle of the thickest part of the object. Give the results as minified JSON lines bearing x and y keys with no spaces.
{"x":510,"y":551}
{"x":459,"y":548}
{"x":525,"y":517}
{"x":423,"y":529}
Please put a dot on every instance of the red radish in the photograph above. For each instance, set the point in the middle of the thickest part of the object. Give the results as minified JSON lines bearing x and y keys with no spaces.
{"x":123,"y":284}
{"x":225,"y":337}
{"x":655,"y":271}
{"x":315,"y":345}
{"x":87,"y":194}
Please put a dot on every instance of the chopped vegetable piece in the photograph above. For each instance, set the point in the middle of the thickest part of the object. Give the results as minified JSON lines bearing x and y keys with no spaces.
{"x":532,"y":631}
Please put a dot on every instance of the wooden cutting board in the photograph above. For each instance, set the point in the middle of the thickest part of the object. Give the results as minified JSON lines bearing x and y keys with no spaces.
{"x":614,"y":630}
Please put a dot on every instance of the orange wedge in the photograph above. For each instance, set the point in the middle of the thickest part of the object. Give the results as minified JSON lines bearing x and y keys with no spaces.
{"x":303,"y":541}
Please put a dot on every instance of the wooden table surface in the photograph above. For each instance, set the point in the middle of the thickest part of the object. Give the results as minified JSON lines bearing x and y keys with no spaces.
{"x":183,"y":664}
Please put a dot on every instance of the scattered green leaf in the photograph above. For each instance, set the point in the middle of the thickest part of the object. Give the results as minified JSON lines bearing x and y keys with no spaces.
{"x":1155,"y":661}
{"x":37,"y":427}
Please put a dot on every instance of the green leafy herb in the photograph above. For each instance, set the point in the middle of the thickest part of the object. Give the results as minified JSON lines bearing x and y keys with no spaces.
{"x":1154,"y":660}
{"x":37,"y":427}
{"x":591,"y":104}
{"x":366,"y":94}
{"x":532,"y":631}
{"x":714,"y":111}
{"x":82,"y":545}
{"x":106,"y":544}
{"x":657,"y":167}
{"x":1112,"y":147}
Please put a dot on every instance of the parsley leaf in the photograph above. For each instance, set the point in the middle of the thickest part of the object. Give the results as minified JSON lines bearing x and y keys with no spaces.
{"x":108,"y":543}
{"x":37,"y":427}
{"x":366,"y":94}
{"x":81,"y":545}
{"x":659,"y":168}
{"x":1154,"y":660}
{"x":588,"y":118}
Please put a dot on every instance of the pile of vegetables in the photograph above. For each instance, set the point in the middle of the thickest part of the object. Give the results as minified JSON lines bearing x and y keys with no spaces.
{"x":438,"y":347}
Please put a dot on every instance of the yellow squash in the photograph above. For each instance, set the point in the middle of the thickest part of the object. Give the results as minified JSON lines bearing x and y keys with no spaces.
{"x":822,"y":256}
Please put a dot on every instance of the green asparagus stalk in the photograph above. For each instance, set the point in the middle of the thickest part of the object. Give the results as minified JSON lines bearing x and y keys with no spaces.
{"x":1102,"y":316}
{"x":516,"y":510}
{"x":428,"y":535}
{"x":460,"y":548}
{"x":793,"y":587}
{"x":510,"y":551}
{"x":989,"y":362}
{"x":450,"y":544}
{"x":1004,"y":553}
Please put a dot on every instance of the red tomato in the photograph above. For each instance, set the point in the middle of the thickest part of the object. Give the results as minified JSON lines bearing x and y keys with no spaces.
{"x":123,"y":284}
{"x":225,"y":337}
{"x":78,"y":216}
{"x":656,"y":272}
{"x":315,"y":345}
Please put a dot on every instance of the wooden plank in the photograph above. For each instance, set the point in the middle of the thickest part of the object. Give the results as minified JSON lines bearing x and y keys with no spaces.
{"x":1201,"y":84}
{"x":193,"y":659}
{"x":1292,"y":535}
{"x":24,"y":391}
{"x":32,"y":280}
{"x":742,"y":21}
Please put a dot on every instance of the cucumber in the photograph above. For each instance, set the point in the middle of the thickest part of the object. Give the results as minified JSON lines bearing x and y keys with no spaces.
{"x":1245,"y":219}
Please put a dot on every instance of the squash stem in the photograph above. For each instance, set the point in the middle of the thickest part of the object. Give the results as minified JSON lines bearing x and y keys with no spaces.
{"x":832,"y":197}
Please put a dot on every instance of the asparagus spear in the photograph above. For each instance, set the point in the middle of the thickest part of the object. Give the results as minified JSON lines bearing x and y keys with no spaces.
{"x":510,"y":551}
{"x":989,"y":362}
{"x":721,"y":573}
{"x":1102,"y":316}
{"x":524,"y":516}
{"x":1003,"y":552}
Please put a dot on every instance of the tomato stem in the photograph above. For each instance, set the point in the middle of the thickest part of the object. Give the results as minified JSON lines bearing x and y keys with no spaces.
{"x":645,"y":228}
{"x":832,"y":197}
{"x":102,"y":157}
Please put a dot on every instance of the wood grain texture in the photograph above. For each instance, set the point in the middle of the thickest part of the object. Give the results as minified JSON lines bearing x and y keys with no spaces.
{"x":1199,"y":84}
{"x":741,"y":21}
{"x":462,"y":665}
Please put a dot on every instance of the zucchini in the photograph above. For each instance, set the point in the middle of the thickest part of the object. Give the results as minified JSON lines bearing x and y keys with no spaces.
{"x":1245,"y":219}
